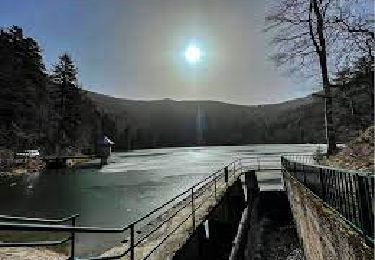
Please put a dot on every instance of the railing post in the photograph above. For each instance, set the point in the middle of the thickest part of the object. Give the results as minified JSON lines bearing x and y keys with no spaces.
{"x":364,"y":205}
{"x":215,"y":186}
{"x":192,"y":208}
{"x":349,"y":193}
{"x":73,"y":240}
{"x":258,"y":163}
{"x":283,"y":171}
{"x":132,"y":241}
{"x":226,"y":174}
{"x":304,"y":174}
{"x":322,"y":184}
{"x":240,"y":164}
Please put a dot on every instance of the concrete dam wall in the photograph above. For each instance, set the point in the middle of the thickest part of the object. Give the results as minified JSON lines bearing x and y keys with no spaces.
{"x":323,"y":233}
{"x":212,"y":239}
{"x":246,"y":224}
{"x":249,"y":223}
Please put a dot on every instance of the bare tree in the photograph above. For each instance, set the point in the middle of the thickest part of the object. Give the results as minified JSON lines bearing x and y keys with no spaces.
{"x":323,"y":35}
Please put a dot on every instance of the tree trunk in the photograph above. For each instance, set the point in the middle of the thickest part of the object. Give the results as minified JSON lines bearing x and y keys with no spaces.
{"x":370,"y":85}
{"x":322,"y":52}
{"x":330,"y":132}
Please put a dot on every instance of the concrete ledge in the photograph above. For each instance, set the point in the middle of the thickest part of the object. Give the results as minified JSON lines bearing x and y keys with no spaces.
{"x":325,"y":235}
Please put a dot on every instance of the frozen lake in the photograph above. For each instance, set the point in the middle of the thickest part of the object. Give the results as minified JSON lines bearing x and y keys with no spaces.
{"x":132,"y":184}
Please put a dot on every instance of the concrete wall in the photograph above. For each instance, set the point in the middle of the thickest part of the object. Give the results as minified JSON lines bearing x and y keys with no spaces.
{"x":323,"y":233}
{"x":220,"y":225}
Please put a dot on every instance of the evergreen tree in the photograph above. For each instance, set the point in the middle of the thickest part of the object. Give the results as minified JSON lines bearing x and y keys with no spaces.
{"x":22,"y":84}
{"x":68,"y":102}
{"x":65,"y":72}
{"x":40,"y":111}
{"x":354,"y":97}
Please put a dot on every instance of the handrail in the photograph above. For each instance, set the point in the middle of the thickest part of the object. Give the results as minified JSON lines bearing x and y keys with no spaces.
{"x":230,"y":170}
{"x":41,"y":220}
{"x":58,"y":228}
{"x":188,"y":198}
{"x":191,"y":194}
{"x":8,"y":218}
{"x":35,"y":243}
{"x":360,"y":172}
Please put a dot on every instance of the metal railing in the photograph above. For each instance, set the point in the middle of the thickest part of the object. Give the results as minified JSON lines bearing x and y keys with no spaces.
{"x":350,"y":193}
{"x":270,"y":162}
{"x":71,"y":238}
{"x":187,"y":199}
{"x":315,"y":159}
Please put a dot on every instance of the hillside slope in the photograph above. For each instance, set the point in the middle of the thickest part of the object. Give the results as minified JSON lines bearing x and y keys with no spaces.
{"x":358,"y":153}
{"x":141,"y":124}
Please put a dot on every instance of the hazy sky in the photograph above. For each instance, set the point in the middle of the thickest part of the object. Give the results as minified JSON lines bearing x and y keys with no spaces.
{"x":134,"y":48}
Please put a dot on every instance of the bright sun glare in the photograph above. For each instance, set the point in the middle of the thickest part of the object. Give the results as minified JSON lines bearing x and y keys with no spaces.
{"x":193,"y":54}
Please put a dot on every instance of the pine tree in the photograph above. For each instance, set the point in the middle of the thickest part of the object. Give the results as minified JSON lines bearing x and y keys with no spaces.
{"x":22,"y":84}
{"x":68,"y":101}
{"x":65,"y":72}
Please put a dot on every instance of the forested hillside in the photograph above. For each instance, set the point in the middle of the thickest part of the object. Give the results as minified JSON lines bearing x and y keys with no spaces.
{"x":51,"y":112}
{"x":179,"y":123}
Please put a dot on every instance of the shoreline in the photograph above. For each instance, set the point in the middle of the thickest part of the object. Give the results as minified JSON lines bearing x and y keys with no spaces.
{"x":19,"y":167}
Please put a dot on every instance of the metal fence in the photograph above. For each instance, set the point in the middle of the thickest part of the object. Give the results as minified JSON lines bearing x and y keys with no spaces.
{"x":270,"y":162}
{"x":135,"y":233}
{"x":350,"y":193}
{"x":262,"y":163}
{"x":23,"y":221}
{"x":315,"y":159}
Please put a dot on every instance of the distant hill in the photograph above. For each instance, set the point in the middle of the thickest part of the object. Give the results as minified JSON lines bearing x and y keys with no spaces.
{"x":158,"y":123}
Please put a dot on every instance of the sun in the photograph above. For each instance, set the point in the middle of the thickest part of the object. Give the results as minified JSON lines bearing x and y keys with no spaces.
{"x":193,"y":54}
